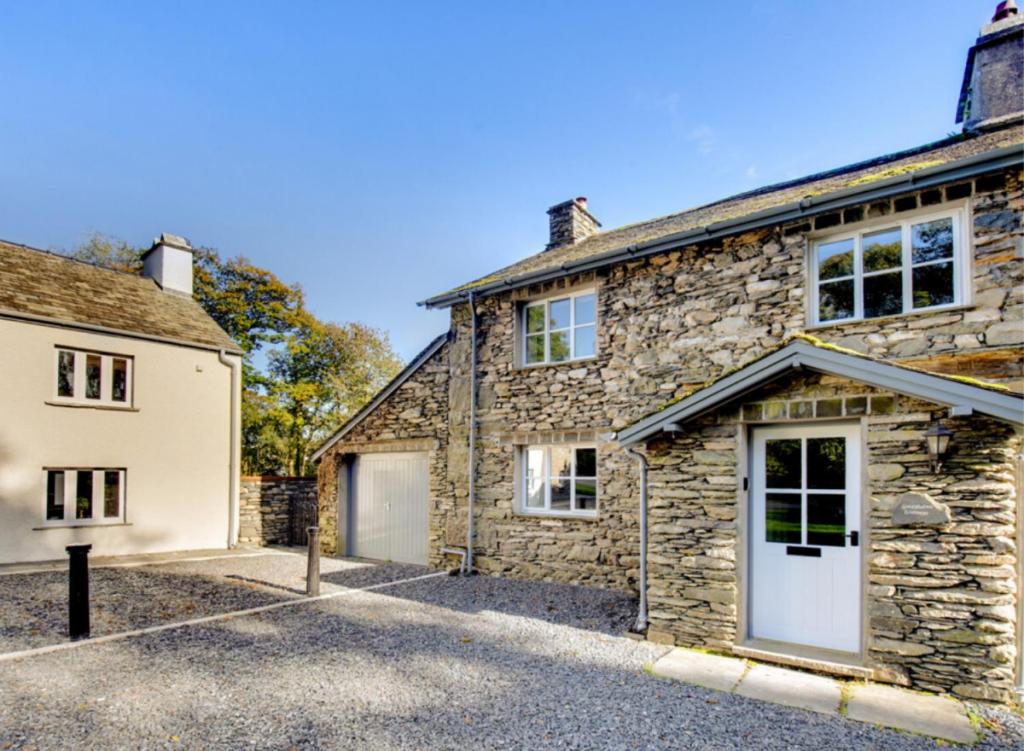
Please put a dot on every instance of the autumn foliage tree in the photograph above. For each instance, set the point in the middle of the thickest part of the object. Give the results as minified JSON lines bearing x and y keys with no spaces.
{"x":313,"y":376}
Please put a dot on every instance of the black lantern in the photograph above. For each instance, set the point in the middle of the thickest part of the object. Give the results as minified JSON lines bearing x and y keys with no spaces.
{"x":938,"y":436}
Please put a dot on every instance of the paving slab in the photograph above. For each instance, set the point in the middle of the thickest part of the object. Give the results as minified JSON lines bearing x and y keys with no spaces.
{"x":709,"y":671}
{"x":791,"y":688}
{"x":936,"y":716}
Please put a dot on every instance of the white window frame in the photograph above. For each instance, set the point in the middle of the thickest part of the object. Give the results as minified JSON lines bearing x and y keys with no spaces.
{"x":106,"y":398}
{"x":97,"y":519}
{"x":546,"y":303}
{"x":960,"y":259}
{"x":546,"y":510}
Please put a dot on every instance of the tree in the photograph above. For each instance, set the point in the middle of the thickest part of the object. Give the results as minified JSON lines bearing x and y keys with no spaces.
{"x":109,"y":252}
{"x":322,"y":375}
{"x":317,"y":374}
{"x":250,"y":303}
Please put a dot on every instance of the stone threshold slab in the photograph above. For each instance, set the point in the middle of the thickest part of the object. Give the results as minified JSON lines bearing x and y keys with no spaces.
{"x":924,"y":714}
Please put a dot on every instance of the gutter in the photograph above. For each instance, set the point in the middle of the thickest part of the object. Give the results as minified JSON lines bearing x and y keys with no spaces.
{"x":990,"y":161}
{"x":641,"y":618}
{"x":234,"y":469}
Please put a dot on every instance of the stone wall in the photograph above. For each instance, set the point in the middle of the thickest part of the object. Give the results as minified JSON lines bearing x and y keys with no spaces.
{"x":264,"y":509}
{"x":668,"y":324}
{"x":941,"y":600}
{"x":413,"y":418}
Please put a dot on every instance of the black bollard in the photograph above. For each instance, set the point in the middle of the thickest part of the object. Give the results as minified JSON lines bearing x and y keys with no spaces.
{"x":78,"y":591}
{"x":313,"y":563}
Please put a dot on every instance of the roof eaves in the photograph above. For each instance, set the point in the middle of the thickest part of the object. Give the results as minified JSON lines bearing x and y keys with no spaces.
{"x":926,"y":177}
{"x":417,"y":362}
{"x":230,"y":346}
{"x":962,"y":397}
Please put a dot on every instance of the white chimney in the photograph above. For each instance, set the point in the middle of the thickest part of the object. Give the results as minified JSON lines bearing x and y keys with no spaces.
{"x":169,"y":263}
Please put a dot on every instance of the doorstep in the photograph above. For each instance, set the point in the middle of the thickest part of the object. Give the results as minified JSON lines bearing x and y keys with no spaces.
{"x":935,"y":716}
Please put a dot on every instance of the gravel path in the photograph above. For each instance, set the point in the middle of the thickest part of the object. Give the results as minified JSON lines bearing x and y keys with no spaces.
{"x":475,"y":663}
{"x":34,"y":611}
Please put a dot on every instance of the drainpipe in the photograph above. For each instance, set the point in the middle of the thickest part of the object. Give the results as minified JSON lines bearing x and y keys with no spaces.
{"x":472,"y":434}
{"x":641,"y":618}
{"x":234,"y":363}
{"x":1020,"y":571}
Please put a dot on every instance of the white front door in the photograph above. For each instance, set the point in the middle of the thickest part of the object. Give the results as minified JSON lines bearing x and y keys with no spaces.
{"x":389,"y":507}
{"x":805,"y":500}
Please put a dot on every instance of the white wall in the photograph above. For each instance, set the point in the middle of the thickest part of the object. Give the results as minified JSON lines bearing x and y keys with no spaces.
{"x":176,"y":446}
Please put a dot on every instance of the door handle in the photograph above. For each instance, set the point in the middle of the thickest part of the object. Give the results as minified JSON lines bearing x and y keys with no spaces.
{"x":854,"y":538}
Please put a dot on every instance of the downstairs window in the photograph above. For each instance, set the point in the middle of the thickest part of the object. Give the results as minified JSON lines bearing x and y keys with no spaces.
{"x":84,"y":496}
{"x":559,"y":479}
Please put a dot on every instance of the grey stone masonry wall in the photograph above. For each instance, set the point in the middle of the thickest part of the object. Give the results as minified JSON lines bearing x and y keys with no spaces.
{"x":941,"y":597}
{"x":668,"y":324}
{"x":264,"y":509}
{"x":413,"y":418}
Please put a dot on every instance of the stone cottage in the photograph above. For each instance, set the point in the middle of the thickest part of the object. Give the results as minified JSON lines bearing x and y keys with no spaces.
{"x":790,"y":419}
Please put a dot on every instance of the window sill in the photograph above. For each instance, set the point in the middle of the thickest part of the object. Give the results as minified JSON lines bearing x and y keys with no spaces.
{"x":587,"y":516}
{"x":895,"y":317}
{"x":81,"y":526}
{"x":560,"y":363}
{"x":80,"y":405}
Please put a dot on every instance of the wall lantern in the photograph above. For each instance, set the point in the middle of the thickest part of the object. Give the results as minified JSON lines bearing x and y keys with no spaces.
{"x":938,"y":436}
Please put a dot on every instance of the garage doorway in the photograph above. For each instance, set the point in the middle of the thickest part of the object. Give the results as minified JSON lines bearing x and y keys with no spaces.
{"x":388,"y":508}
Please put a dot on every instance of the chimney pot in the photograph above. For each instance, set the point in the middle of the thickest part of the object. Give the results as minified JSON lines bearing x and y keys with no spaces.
{"x":570,"y":222}
{"x":1005,"y":9}
{"x":169,"y":263}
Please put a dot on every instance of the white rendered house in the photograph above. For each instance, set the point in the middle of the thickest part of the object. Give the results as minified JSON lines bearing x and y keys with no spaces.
{"x":119,"y":412}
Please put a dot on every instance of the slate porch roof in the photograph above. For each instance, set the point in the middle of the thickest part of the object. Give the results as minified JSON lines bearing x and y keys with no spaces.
{"x":963,"y":396}
{"x":808,"y":196}
{"x":43,"y":286}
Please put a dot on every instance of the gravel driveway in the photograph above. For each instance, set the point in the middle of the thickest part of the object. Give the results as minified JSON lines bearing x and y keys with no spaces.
{"x":35,"y":609}
{"x":477,"y":663}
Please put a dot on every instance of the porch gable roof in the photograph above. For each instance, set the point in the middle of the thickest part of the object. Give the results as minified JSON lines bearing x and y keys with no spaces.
{"x":963,"y":396}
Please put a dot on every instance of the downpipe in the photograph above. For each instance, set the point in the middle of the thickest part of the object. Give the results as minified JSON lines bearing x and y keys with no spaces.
{"x":641,"y":618}
{"x":234,"y":470}
{"x":472,"y":435}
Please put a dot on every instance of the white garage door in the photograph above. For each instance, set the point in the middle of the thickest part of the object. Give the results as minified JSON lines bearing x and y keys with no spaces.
{"x":389,"y":507}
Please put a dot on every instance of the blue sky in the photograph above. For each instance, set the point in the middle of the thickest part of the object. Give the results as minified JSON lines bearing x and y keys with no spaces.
{"x":379,"y":153}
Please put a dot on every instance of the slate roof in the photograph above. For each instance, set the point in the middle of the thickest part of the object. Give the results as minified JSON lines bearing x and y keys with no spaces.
{"x":38,"y":284}
{"x":865,"y":173}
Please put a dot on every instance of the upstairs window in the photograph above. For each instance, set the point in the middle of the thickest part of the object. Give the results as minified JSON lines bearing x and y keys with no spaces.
{"x":560,"y":329}
{"x":93,"y":378}
{"x":903,"y":267}
{"x":84,"y":496}
{"x":559,"y":479}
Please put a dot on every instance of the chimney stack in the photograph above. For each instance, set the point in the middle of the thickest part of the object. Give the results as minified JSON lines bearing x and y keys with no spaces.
{"x":993,"y":87}
{"x":169,"y":263}
{"x":571,"y":222}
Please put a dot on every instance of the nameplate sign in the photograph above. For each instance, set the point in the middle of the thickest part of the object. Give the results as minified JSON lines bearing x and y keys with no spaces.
{"x":918,"y":508}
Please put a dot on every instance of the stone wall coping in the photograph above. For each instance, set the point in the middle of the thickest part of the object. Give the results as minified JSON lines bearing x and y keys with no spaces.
{"x":276,"y":478}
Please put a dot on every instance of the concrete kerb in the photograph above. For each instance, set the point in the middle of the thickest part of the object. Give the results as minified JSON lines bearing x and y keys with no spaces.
{"x":908,"y":711}
{"x":63,"y":646}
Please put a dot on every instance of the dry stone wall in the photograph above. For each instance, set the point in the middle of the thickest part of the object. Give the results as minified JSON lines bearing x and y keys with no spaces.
{"x":264,"y":509}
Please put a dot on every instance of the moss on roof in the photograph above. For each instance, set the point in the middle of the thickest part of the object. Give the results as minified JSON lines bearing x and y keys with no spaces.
{"x":772,"y":196}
